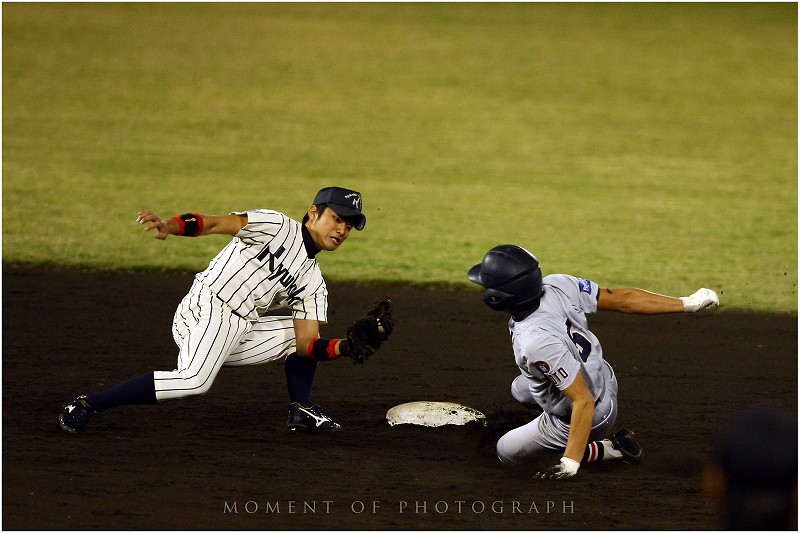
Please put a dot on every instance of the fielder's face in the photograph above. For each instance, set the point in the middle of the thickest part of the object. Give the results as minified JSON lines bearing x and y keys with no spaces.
{"x":329,"y":230}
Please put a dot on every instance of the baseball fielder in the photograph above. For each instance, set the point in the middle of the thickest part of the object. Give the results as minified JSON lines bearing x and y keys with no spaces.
{"x":562,"y":369}
{"x":227,"y":318}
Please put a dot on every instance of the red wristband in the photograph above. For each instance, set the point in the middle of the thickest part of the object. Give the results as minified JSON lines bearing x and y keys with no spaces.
{"x":191,"y":224}
{"x":323,"y":349}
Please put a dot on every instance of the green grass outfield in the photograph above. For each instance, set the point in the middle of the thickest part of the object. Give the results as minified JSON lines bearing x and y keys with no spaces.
{"x":642,"y":144}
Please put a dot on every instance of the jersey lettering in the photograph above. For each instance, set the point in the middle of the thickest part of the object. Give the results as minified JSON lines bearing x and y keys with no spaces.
{"x":265,"y":252}
{"x":281,"y":273}
{"x":558,"y":376}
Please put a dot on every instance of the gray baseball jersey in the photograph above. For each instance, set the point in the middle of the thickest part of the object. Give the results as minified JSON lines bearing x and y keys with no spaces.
{"x":553,"y":344}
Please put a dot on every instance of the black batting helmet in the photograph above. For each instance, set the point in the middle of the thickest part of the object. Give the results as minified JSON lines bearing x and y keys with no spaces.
{"x":511,"y":276}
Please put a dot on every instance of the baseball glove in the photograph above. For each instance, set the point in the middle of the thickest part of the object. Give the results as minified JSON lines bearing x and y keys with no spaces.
{"x":365,"y":335}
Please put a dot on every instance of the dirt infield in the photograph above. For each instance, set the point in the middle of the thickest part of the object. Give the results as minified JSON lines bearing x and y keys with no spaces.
{"x":225,"y":461}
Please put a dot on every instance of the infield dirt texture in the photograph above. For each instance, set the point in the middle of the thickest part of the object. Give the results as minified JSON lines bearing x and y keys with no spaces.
{"x":225,"y":461}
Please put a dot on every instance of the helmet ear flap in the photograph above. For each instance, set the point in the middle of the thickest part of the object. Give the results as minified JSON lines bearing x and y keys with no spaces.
{"x":496,"y":299}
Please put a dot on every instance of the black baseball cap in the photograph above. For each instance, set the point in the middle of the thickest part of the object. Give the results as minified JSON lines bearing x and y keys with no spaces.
{"x":345,"y":202}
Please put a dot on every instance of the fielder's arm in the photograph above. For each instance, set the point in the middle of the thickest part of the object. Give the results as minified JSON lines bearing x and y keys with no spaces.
{"x":192,"y":224}
{"x":362,"y":339}
{"x":638,"y":301}
{"x":307,"y":335}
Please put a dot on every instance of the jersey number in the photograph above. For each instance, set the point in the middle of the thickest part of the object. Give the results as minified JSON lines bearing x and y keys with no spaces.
{"x":580,"y":340}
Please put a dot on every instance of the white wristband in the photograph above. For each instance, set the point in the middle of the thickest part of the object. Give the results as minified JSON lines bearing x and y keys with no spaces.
{"x":570,"y":465}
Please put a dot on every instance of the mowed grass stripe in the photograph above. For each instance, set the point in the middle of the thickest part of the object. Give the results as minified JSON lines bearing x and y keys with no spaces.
{"x":636,"y":144}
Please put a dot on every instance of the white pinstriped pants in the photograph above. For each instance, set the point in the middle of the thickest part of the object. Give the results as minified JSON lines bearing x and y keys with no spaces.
{"x":546,"y":432}
{"x":209,"y":335}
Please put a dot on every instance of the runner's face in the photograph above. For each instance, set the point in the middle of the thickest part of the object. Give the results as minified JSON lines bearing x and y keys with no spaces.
{"x":329,"y":230}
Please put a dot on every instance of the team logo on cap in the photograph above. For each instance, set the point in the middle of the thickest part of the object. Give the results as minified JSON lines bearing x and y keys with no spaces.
{"x":355,"y":198}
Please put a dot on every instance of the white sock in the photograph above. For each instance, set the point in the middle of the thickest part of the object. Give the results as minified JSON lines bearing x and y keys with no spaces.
{"x":601,"y":450}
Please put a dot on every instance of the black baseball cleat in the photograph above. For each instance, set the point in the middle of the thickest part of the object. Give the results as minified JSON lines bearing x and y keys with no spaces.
{"x":76,"y":415}
{"x":623,"y":441}
{"x":312,"y":418}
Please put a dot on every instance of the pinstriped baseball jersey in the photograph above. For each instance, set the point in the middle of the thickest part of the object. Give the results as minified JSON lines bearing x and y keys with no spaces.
{"x":266,"y":266}
{"x":554,"y":343}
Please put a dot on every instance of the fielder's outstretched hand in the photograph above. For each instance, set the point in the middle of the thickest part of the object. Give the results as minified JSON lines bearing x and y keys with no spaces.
{"x":157,"y":223}
{"x":565,"y":469}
